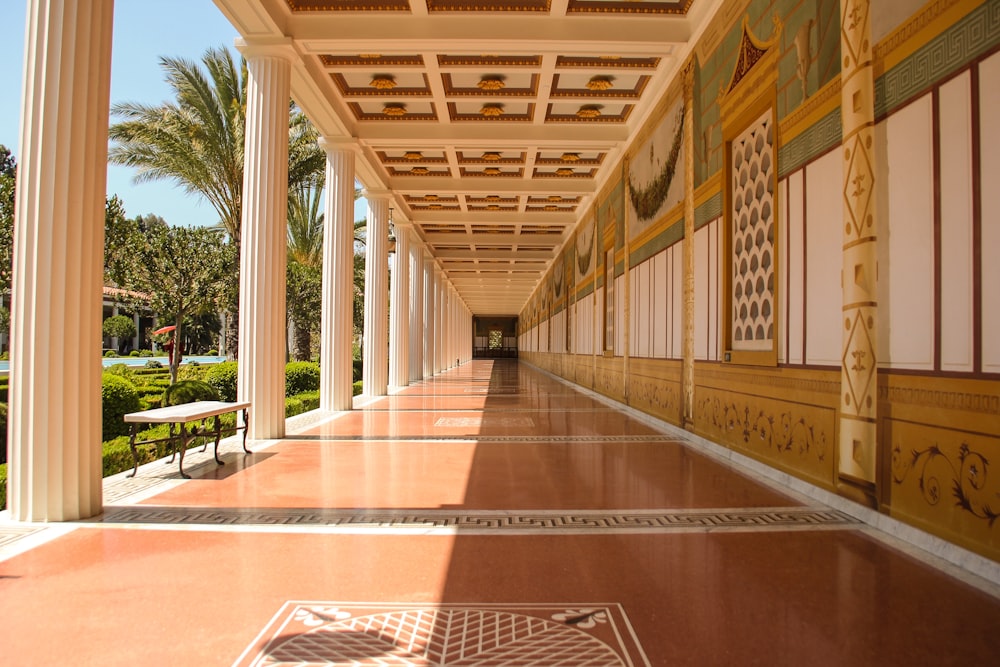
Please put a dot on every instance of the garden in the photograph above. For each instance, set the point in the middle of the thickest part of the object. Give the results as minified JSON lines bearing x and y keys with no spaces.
{"x":126,"y":389}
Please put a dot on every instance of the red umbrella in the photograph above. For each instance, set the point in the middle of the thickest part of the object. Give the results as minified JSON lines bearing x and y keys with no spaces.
{"x":163,"y":330}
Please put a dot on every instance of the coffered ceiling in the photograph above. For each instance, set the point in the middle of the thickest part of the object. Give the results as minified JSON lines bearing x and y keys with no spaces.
{"x":494,"y":123}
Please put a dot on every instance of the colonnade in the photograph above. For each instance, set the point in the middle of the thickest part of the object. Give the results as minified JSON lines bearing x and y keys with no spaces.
{"x":55,"y":467}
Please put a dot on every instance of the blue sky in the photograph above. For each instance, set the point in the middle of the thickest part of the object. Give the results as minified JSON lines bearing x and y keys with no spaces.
{"x":144,"y":31}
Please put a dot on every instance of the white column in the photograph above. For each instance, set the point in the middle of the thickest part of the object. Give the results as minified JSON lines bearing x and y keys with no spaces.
{"x":376,"y":341}
{"x":54,"y":432}
{"x":416,"y":311}
{"x":439,"y":325}
{"x":429,"y":332}
{"x":399,"y":310}
{"x":263,"y":239}
{"x":336,"y":390}
{"x":452,"y":322}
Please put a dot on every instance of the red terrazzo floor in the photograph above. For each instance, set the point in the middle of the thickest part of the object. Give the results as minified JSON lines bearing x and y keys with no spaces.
{"x":175,"y":590}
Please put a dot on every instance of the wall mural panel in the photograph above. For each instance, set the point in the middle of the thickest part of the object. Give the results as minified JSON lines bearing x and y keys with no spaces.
{"x":943,"y":480}
{"x":655,"y":388}
{"x":796,"y":437}
{"x":585,"y":260}
{"x":654,"y":183}
{"x":753,"y":236}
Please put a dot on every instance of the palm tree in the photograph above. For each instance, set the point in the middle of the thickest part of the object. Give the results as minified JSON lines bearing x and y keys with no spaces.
{"x":305,"y":258}
{"x":197,"y":142}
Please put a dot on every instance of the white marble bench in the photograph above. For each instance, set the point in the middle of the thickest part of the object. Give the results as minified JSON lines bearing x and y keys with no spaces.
{"x":181,"y":415}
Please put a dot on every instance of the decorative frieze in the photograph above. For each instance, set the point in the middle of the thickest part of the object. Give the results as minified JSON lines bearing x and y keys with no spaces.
{"x":787,"y":435}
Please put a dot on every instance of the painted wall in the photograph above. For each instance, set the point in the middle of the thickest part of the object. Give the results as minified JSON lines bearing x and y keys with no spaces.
{"x":937,"y":152}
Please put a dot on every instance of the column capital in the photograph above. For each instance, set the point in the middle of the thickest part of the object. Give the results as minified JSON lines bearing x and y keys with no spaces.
{"x":331,"y":144}
{"x":267,"y":48}
{"x":377,"y":195}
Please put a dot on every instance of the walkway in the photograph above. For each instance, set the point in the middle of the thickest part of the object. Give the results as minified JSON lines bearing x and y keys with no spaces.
{"x":488,"y":516}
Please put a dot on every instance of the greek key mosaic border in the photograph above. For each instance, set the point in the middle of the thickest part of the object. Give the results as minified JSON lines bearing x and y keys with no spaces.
{"x":709,"y":210}
{"x":825,"y":134}
{"x":781,"y":518}
{"x":11,"y":534}
{"x":651,"y":437}
{"x":970,"y":37}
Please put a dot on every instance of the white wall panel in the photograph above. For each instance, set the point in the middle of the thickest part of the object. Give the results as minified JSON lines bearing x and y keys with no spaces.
{"x":676,"y":301}
{"x":956,"y":224}
{"x":619,"y":294}
{"x":823,"y":259}
{"x":599,"y":321}
{"x":660,"y":303}
{"x":906,"y":285}
{"x":702,"y":296}
{"x":585,"y":324}
{"x":640,"y":333}
{"x":715,"y":289}
{"x":633,"y":311}
{"x":794,"y":256}
{"x":989,"y":160}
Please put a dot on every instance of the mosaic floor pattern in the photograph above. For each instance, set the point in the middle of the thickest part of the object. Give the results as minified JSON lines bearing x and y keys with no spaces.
{"x":337,"y":633}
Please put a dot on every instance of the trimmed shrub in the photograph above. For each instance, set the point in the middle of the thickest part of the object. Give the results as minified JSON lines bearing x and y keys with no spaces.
{"x":122,"y":371}
{"x":304,"y":402}
{"x":358,"y":370}
{"x":153,"y":363}
{"x":3,"y":486}
{"x":223,"y":377}
{"x":300,"y":377}
{"x":293,"y":406}
{"x":118,"y":398}
{"x":3,"y":432}
{"x":213,"y":353}
{"x":110,"y":354}
{"x":134,"y":353}
{"x":358,"y":388}
{"x":188,"y":391}
{"x":191,"y":372}
{"x":145,"y":353}
{"x":310,"y":400}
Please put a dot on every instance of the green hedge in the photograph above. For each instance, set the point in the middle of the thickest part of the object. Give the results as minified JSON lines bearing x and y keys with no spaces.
{"x":223,"y":378}
{"x":300,"y":377}
{"x":188,"y":391}
{"x":118,"y":398}
{"x":117,"y":457}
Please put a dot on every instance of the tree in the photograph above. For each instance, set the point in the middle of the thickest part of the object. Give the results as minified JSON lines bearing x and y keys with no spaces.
{"x":8,"y":183}
{"x":304,"y":279}
{"x":197,"y":142}
{"x":121,"y":327}
{"x":304,"y":297}
{"x":180,"y":269}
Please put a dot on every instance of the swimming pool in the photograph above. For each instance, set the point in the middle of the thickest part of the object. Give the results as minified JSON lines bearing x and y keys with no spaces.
{"x":140,"y":361}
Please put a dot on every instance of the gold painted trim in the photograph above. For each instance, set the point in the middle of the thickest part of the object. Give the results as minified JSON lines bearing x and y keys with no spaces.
{"x":711,"y":187}
{"x":918,"y":31}
{"x":673,"y":215}
{"x":821,"y":103}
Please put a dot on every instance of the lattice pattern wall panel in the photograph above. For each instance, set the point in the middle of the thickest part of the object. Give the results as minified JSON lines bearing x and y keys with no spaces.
{"x":753,"y":228}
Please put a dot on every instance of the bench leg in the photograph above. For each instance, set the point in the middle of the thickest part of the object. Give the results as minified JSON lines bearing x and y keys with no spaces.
{"x":173,"y":443}
{"x":135,"y":454}
{"x":246,"y":427}
{"x":218,"y":436}
{"x":184,"y":446}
